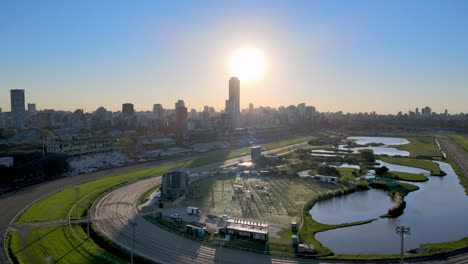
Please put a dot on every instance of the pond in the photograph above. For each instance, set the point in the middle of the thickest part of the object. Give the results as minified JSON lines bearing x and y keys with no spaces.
{"x":379,"y":150}
{"x":438,"y":212}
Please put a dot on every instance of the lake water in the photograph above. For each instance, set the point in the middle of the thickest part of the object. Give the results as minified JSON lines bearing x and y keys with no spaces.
{"x":382,"y":140}
{"x":437,"y":212}
{"x":380,"y":150}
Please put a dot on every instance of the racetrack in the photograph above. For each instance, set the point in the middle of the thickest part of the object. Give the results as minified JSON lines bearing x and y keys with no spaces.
{"x":456,"y":152}
{"x":14,"y":202}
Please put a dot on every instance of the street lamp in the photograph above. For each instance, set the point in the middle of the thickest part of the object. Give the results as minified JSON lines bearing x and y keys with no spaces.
{"x":88,"y":207}
{"x":133,"y":224}
{"x":76,"y":188}
{"x":403,"y":231}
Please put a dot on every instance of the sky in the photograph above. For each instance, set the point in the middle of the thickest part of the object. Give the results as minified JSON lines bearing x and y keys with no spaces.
{"x":353,"y":56}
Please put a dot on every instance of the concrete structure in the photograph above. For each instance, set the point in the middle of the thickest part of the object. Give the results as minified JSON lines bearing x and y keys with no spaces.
{"x":174,"y":184}
{"x":81,"y":144}
{"x":328,"y":179}
{"x":256,"y":153}
{"x":6,"y":161}
{"x":18,"y":106}
{"x":158,"y":111}
{"x":247,"y":229}
{"x":234,"y":101}
{"x":32,"y":109}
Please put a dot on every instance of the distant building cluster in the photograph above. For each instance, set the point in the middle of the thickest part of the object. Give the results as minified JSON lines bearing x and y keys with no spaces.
{"x":180,"y":120}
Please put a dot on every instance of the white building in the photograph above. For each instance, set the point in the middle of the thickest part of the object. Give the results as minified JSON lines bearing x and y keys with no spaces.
{"x":81,"y":144}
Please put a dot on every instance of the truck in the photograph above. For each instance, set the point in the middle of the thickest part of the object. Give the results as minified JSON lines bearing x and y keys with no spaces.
{"x":193,"y":210}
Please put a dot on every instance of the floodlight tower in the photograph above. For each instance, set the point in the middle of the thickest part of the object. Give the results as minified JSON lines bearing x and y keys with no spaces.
{"x":403,"y":231}
{"x":133,"y":223}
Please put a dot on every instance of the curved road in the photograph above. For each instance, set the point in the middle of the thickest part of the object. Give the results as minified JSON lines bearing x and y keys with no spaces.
{"x":14,"y":202}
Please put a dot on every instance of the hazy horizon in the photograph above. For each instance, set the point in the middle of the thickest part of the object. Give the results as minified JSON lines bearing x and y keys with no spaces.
{"x":356,"y":56}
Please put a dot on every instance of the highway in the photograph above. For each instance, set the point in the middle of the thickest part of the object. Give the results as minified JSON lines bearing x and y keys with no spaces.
{"x":14,"y":202}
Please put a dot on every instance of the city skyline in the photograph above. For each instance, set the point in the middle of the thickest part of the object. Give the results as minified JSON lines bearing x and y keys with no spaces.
{"x":359,"y":57}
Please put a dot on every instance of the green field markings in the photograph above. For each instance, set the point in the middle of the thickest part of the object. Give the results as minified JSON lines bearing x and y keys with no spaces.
{"x":62,"y":243}
{"x":461,"y":139}
{"x":424,"y":146}
{"x":418,"y":163}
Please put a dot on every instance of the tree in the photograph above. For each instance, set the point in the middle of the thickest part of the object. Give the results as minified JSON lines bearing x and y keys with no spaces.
{"x":367,"y":155}
{"x":381,"y":171}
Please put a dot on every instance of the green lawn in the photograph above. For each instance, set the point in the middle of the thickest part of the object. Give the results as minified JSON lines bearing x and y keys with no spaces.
{"x":60,"y":243}
{"x":348,"y":172}
{"x":461,"y":139}
{"x":421,"y":146}
{"x":146,"y":194}
{"x":418,"y":163}
{"x":405,"y":176}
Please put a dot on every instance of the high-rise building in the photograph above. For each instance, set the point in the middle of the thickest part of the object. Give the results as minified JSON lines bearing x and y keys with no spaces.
{"x":18,"y":106}
{"x":251,"y":107}
{"x":32,"y":109}
{"x":127,"y":109}
{"x":158,"y":111}
{"x":181,"y":114}
{"x":234,"y":101}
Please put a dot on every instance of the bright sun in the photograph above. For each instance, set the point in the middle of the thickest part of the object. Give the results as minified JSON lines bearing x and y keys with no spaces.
{"x":247,"y":64}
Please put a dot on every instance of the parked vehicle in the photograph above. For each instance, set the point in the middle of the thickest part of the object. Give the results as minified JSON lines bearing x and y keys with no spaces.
{"x":193,"y":210}
{"x":176,"y":216}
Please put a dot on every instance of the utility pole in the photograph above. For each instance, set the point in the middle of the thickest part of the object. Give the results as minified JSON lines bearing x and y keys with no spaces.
{"x":88,"y":206}
{"x":76,"y":188}
{"x":403,"y":231}
{"x":133,"y":224}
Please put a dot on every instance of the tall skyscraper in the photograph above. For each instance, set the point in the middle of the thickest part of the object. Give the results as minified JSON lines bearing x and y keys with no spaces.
{"x":181,"y":114}
{"x":127,"y":109}
{"x":234,"y":101}
{"x":18,"y":106}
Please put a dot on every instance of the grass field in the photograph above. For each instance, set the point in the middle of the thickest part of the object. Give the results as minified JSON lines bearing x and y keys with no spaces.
{"x":348,"y":171}
{"x":421,"y":146}
{"x":60,"y":243}
{"x":418,"y":163}
{"x":405,"y":176}
{"x":461,"y":139}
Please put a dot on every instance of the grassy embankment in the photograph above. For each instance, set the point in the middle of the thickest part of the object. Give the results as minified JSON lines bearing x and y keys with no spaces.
{"x":418,"y":163}
{"x":146,"y":194}
{"x":405,"y":176}
{"x":461,"y":139}
{"x":58,"y":205}
{"x":424,"y":146}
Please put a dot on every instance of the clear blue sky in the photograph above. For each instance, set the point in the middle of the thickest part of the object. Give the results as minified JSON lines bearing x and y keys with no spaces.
{"x":353,"y":56}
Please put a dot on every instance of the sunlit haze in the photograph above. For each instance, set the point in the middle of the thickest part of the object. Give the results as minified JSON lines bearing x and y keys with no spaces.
{"x":356,"y":56}
{"x":247,"y":63}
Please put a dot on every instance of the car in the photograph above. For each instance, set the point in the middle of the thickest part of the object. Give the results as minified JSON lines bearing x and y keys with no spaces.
{"x":176,"y":216}
{"x":224,"y":217}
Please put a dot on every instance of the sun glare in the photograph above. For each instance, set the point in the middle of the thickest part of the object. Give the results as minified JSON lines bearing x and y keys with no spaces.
{"x":247,"y":63}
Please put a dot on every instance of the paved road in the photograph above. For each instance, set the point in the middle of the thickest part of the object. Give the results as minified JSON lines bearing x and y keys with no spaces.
{"x":12,"y":203}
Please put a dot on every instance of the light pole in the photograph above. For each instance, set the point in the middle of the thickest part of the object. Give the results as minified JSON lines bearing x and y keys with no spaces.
{"x":133,"y":224}
{"x":76,"y":188}
{"x":403,"y":231}
{"x":88,"y":207}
